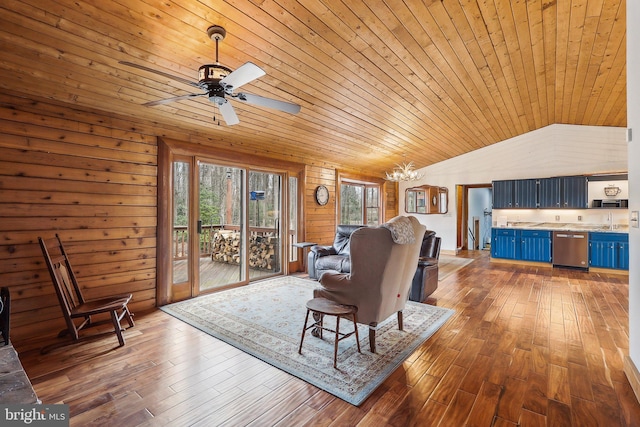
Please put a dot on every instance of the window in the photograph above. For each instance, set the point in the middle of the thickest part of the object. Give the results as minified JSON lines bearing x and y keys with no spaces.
{"x":372,"y":203}
{"x":359,"y":203}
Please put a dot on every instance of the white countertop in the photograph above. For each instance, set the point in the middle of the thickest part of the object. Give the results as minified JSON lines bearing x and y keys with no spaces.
{"x":563,"y":226}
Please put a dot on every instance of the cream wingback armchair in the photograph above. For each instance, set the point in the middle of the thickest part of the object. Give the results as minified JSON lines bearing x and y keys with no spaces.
{"x":381,"y":272}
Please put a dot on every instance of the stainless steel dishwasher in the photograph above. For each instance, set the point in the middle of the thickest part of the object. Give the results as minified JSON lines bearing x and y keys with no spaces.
{"x":571,"y":249}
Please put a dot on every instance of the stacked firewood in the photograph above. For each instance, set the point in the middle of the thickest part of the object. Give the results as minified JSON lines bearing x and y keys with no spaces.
{"x":226,"y":247}
{"x":262,"y":249}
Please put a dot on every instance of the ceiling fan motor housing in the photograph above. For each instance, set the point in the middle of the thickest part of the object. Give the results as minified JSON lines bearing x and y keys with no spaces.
{"x":211,"y":74}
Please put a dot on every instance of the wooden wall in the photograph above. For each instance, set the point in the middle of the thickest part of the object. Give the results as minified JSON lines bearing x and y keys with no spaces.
{"x":61,"y":171}
{"x":320,"y":221}
{"x":391,"y":207}
{"x":92,"y":178}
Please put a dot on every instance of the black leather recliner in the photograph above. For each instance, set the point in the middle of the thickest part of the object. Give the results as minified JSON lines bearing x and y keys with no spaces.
{"x":425,"y":281}
{"x":335,"y":257}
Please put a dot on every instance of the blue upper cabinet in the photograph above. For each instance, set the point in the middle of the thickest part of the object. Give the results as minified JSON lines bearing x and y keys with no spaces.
{"x":526,"y":193}
{"x":574,"y":192}
{"x":503,"y":192}
{"x":551,"y":193}
{"x":515,"y":193}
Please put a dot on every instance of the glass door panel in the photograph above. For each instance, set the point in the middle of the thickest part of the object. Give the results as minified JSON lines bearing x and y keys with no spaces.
{"x":265,"y":247}
{"x":220,"y":226}
{"x":293,"y":220}
{"x":180,"y":235}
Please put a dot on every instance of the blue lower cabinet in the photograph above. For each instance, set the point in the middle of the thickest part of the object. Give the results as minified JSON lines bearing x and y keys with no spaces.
{"x":606,"y":250}
{"x":535,"y":245}
{"x":609,"y":250}
{"x":504,"y":243}
{"x":623,"y":254}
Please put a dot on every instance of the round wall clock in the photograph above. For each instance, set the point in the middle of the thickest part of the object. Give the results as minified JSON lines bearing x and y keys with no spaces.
{"x":322,"y":195}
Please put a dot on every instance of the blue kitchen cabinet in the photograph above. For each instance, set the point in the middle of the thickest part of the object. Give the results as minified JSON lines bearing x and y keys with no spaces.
{"x":609,"y":250}
{"x":504,"y":243}
{"x":526,"y":193}
{"x":623,"y":254}
{"x":515,"y":193}
{"x":535,"y":245}
{"x":549,"y":193}
{"x":574,"y":192}
{"x":563,"y":192}
{"x":502,"y":193}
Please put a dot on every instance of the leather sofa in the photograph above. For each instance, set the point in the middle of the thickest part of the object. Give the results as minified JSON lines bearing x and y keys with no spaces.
{"x":425,"y":280}
{"x":335,"y":257}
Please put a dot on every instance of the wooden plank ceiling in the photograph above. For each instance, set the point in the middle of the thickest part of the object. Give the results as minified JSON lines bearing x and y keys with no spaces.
{"x":376,"y":80}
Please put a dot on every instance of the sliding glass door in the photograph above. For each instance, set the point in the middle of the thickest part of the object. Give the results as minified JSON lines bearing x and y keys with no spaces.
{"x":220,"y":226}
{"x":226,"y":226}
{"x":265,"y":239}
{"x":180,"y":214}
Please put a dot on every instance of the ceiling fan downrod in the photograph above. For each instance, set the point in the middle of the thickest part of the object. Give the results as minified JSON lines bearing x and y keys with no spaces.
{"x":216,"y":33}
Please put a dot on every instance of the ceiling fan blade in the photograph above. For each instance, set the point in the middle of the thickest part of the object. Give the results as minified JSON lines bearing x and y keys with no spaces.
{"x":241,"y":76}
{"x":287,"y":107}
{"x":175,"y":98}
{"x":228,"y":113}
{"x":160,"y":73}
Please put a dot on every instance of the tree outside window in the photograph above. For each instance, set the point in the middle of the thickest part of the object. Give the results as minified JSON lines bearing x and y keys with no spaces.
{"x":359,"y":204}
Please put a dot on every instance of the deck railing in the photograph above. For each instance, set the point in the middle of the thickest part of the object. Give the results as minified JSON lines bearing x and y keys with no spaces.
{"x":207,"y":234}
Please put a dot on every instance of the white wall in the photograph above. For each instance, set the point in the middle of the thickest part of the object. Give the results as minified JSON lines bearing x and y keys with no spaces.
{"x":554,"y":150}
{"x":633,"y":122}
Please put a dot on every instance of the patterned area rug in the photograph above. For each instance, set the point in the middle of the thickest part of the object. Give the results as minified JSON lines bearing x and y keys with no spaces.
{"x":265,"y":319}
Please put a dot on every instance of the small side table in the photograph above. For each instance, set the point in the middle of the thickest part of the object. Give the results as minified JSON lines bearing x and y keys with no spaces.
{"x":325,"y":307}
{"x":305,"y":246}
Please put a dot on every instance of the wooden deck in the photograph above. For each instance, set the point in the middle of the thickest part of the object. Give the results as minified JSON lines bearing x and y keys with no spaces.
{"x":215,"y":274}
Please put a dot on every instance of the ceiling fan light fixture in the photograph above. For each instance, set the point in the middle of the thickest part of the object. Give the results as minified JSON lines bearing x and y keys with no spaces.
{"x":404,"y":172}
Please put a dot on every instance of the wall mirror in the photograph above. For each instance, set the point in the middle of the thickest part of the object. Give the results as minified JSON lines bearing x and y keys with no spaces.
{"x":427,"y":199}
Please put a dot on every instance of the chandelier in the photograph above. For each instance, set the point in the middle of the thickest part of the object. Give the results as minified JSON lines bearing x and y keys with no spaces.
{"x":404,"y":172}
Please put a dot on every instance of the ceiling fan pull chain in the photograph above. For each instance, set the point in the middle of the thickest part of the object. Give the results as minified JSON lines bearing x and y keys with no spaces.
{"x":214,"y":112}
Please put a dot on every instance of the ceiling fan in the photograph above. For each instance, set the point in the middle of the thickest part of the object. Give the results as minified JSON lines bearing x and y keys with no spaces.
{"x":219,"y":82}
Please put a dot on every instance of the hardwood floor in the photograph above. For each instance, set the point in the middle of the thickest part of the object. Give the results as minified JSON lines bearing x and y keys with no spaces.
{"x":529,"y":346}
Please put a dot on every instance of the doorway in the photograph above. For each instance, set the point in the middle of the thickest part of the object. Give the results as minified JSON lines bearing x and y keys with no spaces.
{"x":226,"y":226}
{"x":474,"y":209}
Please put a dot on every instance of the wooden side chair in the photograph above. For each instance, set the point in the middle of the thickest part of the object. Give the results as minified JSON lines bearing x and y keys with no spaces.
{"x":72,"y":303}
